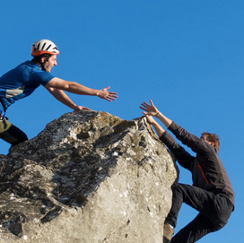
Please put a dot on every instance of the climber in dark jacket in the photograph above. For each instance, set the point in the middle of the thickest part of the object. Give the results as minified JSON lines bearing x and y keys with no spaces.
{"x":211,"y":193}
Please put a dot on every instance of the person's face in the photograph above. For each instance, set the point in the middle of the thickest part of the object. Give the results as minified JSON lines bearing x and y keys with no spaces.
{"x":52,"y":61}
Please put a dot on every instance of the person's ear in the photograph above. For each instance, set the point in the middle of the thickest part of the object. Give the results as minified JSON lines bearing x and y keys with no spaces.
{"x":43,"y":59}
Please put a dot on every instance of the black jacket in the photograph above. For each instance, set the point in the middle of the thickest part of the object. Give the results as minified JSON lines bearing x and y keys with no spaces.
{"x":207,"y":170}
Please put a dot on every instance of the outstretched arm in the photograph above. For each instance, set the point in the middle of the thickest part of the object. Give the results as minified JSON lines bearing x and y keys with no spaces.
{"x":77,"y":88}
{"x":62,"y":97}
{"x":151,"y":110}
{"x":183,"y":157}
{"x":192,"y":141}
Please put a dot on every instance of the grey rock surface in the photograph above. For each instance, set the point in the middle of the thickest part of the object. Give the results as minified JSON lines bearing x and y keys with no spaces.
{"x":88,"y":177}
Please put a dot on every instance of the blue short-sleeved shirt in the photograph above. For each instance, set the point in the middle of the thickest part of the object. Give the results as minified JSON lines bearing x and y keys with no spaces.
{"x":20,"y":82}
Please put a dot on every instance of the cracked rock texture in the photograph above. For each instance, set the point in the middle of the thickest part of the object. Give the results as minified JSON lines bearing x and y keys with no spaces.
{"x":88,"y":177}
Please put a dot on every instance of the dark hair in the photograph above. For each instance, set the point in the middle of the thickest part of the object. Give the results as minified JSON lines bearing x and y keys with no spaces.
{"x":37,"y":59}
{"x":211,"y":137}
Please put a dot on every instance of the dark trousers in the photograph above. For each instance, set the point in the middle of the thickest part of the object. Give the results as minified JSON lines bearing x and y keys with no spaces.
{"x":10,"y":133}
{"x":214,"y":212}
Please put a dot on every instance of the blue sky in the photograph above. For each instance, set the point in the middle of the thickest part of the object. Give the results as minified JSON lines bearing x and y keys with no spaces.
{"x":187,"y":56}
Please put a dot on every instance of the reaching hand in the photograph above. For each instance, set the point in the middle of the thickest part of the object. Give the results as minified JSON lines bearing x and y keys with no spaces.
{"x":150,"y":119}
{"x":107,"y":95}
{"x":79,"y":108}
{"x":150,"y":109}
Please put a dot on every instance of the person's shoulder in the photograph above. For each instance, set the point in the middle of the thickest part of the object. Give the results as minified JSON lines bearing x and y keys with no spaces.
{"x":32,"y":68}
{"x":26,"y":65}
{"x":30,"y":64}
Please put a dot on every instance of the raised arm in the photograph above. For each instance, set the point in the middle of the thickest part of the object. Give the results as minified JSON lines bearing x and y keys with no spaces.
{"x":184,"y":158}
{"x":156,"y":126}
{"x":151,"y":110}
{"x":192,"y":141}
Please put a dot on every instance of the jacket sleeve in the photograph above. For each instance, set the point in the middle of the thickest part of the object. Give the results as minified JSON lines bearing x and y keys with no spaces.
{"x":183,"y":157}
{"x":196,"y":144}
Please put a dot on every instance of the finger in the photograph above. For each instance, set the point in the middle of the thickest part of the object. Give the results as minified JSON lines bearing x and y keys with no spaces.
{"x":145,"y":104}
{"x":147,"y":115}
{"x":115,"y":96}
{"x":152,"y":103}
{"x":108,"y":99}
{"x":142,"y":104}
{"x":142,"y":108}
{"x":85,"y":108}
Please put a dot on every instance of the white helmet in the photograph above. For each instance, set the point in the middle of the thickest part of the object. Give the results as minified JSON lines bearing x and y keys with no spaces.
{"x":44,"y":46}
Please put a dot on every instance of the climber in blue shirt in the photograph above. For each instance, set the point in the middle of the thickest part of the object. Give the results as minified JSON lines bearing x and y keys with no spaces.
{"x":21,"y":81}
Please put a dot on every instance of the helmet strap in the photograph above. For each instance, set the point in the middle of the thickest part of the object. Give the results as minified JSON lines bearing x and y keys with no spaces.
{"x":42,"y":64}
{"x":38,"y":60}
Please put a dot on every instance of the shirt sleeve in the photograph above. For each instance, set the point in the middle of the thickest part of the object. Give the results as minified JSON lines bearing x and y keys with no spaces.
{"x":196,"y":144}
{"x":183,"y":157}
{"x":42,"y":77}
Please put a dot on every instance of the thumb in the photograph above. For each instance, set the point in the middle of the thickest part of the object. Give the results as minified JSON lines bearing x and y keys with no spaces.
{"x":106,"y":88}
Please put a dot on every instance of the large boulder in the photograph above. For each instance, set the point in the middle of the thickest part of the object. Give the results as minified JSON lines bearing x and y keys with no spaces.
{"x":88,"y":177}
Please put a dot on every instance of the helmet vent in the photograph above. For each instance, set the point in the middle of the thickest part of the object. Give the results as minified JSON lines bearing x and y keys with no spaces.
{"x":38,"y":46}
{"x":48,"y":47}
{"x":44,"y":46}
